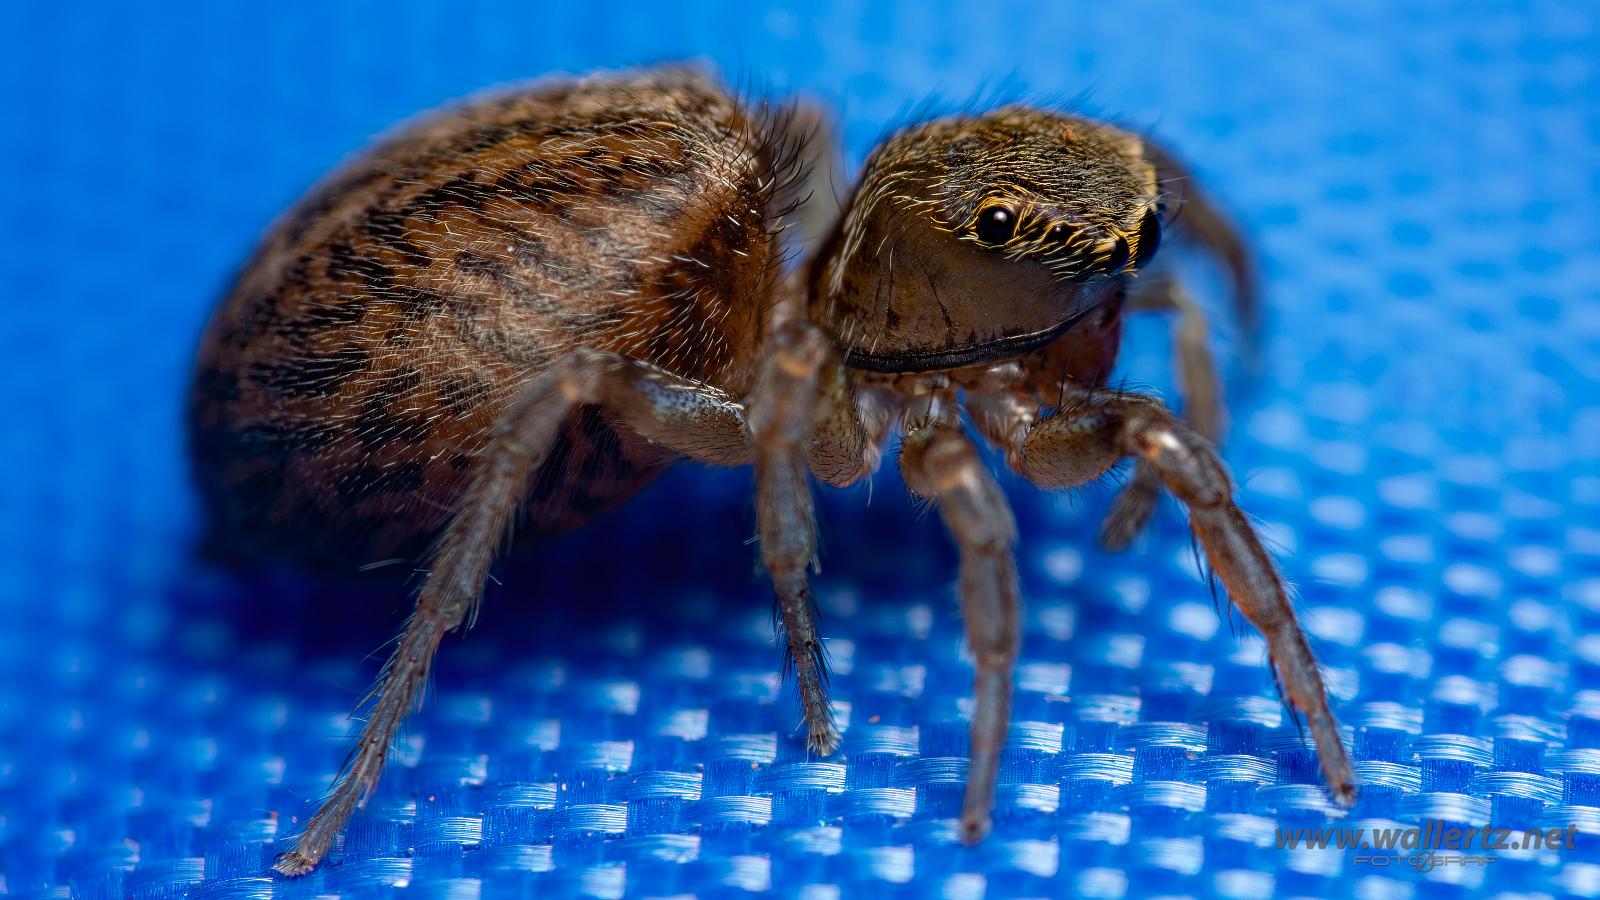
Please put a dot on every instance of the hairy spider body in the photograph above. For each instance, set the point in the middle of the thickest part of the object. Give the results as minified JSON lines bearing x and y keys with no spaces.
{"x":517,"y":312}
{"x":350,"y":382}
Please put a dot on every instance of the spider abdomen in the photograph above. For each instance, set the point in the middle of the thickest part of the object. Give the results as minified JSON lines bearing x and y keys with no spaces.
{"x":350,"y":379}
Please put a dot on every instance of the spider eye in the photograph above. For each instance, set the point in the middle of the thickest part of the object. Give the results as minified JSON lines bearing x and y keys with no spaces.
{"x":995,"y":225}
{"x":1058,"y":235}
{"x":1118,"y":257}
{"x":1149,"y":239}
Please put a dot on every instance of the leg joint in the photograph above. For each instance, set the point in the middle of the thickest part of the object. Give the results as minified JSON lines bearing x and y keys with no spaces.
{"x":995,"y":659}
{"x":1185,"y":460}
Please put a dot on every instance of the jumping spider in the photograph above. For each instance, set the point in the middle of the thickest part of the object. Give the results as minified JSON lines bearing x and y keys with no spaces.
{"x":520,"y":310}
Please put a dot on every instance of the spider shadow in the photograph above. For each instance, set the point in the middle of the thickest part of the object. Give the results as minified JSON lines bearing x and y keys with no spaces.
{"x":688,"y":537}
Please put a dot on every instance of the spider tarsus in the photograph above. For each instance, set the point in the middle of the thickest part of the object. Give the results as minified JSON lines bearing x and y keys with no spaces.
{"x":823,"y":739}
{"x":1345,"y":794}
{"x":974,"y":827}
{"x":293,"y":864}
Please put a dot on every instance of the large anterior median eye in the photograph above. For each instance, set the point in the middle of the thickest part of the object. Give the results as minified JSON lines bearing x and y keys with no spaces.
{"x":1149,"y":238}
{"x":995,"y":225}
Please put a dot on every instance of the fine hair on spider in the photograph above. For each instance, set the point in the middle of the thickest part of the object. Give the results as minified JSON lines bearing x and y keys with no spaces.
{"x":513,"y":313}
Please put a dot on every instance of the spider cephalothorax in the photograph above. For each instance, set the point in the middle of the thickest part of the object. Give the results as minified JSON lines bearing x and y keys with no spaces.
{"x":1049,"y":208}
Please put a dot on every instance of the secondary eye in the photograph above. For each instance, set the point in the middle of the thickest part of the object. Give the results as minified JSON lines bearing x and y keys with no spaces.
{"x":995,"y":225}
{"x":1118,"y":257}
{"x":1149,"y":239}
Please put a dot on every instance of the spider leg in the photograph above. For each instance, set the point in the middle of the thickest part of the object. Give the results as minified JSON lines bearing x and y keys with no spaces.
{"x":1199,"y":386}
{"x":1086,"y":439}
{"x":686,"y":417}
{"x":1198,"y":218}
{"x":802,"y":408}
{"x":941,"y":464}
{"x":807,"y":140}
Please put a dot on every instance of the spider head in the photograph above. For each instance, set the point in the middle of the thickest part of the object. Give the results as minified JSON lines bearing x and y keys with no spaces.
{"x":972,"y":239}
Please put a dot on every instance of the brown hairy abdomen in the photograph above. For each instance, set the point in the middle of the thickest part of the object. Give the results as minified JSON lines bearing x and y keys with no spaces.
{"x":352,"y":376}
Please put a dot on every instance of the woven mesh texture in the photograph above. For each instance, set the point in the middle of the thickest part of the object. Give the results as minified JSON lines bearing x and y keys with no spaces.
{"x":1422,"y":447}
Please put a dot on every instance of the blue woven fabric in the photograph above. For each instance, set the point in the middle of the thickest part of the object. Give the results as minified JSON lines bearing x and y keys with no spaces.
{"x":1422,"y":447}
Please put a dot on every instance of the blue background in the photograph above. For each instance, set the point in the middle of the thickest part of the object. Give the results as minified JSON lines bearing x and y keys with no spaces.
{"x":1422,"y":446}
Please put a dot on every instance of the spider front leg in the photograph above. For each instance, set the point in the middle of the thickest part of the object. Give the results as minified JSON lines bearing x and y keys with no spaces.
{"x":941,"y":464}
{"x":1199,"y":386}
{"x":1096,"y":430}
{"x":802,"y":407}
{"x":685,"y":417}
{"x":1198,"y":219}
